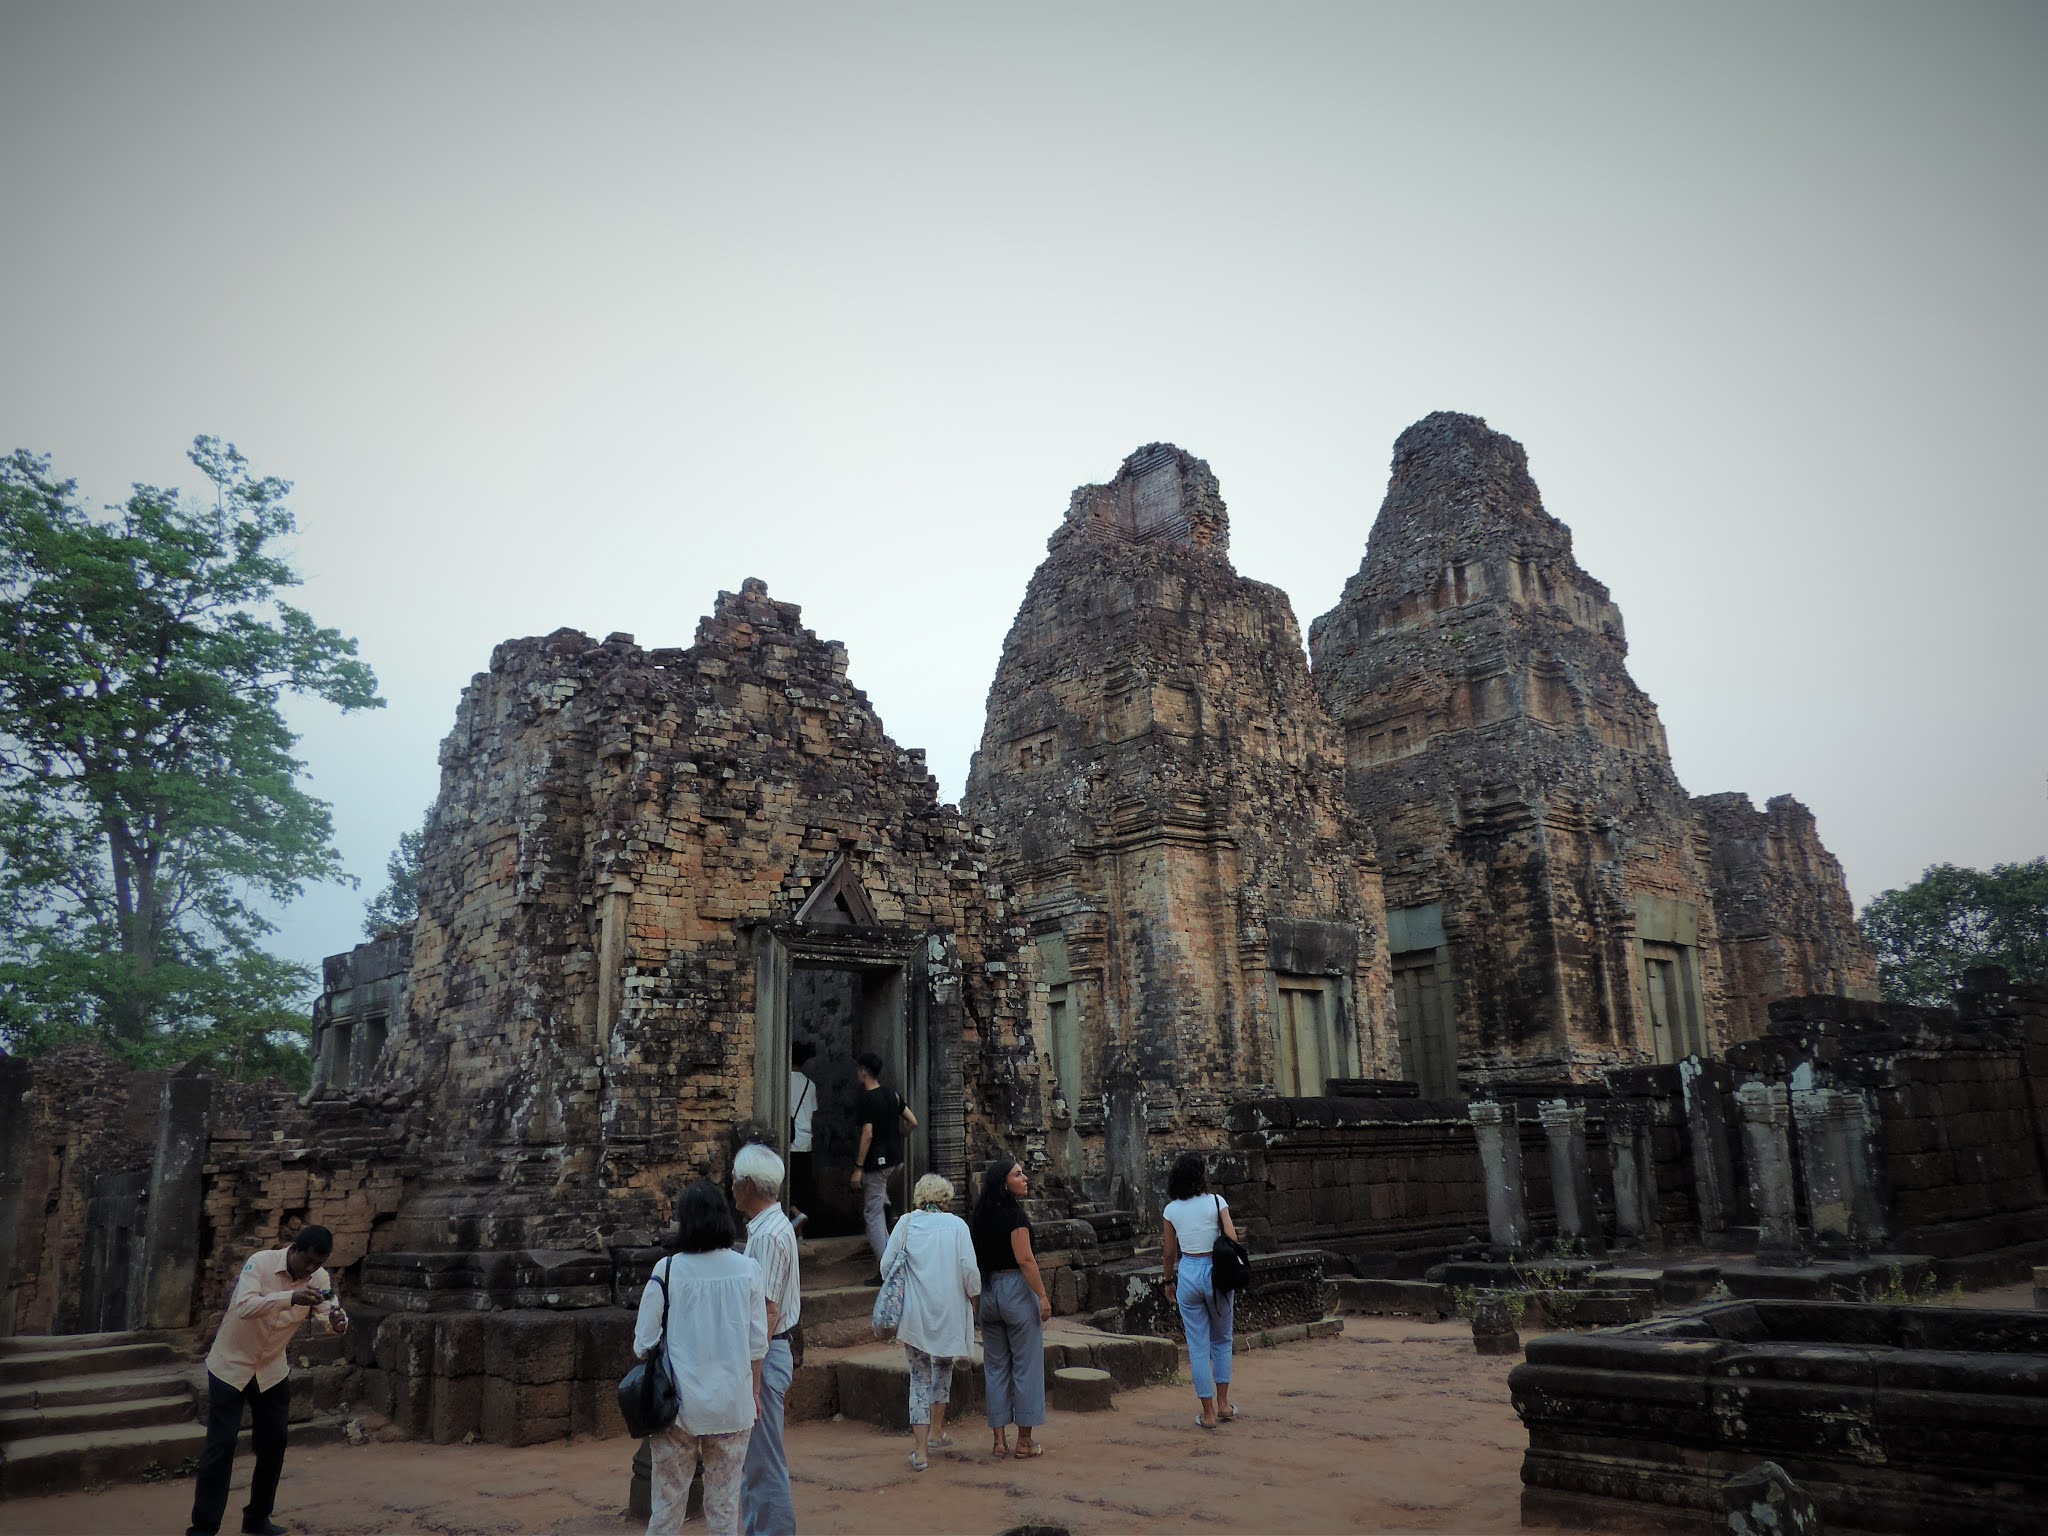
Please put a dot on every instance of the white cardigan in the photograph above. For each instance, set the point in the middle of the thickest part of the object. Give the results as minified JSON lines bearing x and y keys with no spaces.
{"x":938,"y":1311}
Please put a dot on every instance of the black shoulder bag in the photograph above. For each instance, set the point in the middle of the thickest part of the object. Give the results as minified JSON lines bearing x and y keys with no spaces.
{"x":1230,"y":1262}
{"x":647,"y":1396}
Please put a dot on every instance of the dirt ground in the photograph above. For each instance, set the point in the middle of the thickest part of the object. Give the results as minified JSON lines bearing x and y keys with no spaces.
{"x":1394,"y":1426}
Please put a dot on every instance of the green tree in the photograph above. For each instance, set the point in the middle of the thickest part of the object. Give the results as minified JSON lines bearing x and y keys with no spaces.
{"x":1926,"y":934}
{"x":399,"y":902}
{"x":149,"y":798}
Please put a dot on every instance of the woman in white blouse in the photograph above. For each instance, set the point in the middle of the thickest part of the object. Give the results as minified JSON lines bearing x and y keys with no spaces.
{"x":717,"y":1312}
{"x":938,"y":1307}
{"x":1193,"y":1217}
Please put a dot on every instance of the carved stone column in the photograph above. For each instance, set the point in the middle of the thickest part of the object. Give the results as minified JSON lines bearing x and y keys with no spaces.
{"x":1571,"y":1177}
{"x":1766,"y":1116}
{"x":1706,"y":1129}
{"x":1630,"y":1156}
{"x":1843,"y":1201}
{"x":1500,"y":1167}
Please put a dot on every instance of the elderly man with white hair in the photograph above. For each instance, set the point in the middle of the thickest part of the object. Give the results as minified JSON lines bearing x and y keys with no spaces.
{"x":766,"y":1508}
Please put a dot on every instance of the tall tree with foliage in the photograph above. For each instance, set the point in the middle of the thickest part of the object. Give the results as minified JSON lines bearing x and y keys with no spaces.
{"x":399,"y":902}
{"x":149,"y":795}
{"x":1925,"y":935}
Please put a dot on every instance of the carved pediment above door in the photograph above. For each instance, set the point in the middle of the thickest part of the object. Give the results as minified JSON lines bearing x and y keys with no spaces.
{"x":838,"y":900}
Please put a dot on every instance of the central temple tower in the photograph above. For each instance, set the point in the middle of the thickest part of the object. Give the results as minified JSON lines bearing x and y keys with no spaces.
{"x":1167,"y":795}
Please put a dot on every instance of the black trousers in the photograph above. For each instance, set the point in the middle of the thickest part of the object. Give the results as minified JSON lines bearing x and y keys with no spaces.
{"x":269,"y":1413}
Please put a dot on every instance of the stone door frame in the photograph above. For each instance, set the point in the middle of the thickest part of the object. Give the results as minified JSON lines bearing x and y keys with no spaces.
{"x":781,"y":948}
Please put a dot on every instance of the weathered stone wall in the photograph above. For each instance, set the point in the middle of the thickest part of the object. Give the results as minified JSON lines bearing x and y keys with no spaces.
{"x":1167,"y":794}
{"x":1786,"y":925}
{"x":1950,"y":1104}
{"x":83,"y":1127}
{"x":361,"y":992}
{"x":1521,"y":790}
{"x":1390,"y":1185}
{"x":623,"y":839}
{"x":274,"y":1165}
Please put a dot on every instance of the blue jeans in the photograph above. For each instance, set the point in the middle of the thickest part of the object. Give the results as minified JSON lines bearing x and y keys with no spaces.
{"x":1208,"y":1320}
{"x":874,"y":1209}
{"x":1012,"y":1352}
{"x":765,"y":1505}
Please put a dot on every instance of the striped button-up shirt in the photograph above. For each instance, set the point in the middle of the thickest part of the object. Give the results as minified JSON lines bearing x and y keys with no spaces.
{"x":771,"y":1243}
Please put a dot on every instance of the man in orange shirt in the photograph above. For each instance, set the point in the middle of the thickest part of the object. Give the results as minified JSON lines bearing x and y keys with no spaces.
{"x":279,"y":1289}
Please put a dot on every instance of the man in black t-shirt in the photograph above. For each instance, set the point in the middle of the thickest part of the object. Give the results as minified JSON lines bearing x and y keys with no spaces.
{"x":883,"y":1119}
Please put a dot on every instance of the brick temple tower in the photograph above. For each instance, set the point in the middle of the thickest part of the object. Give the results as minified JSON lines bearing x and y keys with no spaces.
{"x":1551,"y":888}
{"x":1167,"y":795}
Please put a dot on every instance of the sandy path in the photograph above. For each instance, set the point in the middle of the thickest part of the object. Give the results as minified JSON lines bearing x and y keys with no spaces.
{"x":1395,"y":1426}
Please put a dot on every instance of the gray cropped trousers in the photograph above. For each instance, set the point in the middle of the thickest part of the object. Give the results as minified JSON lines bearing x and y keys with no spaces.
{"x":1012,"y":1351}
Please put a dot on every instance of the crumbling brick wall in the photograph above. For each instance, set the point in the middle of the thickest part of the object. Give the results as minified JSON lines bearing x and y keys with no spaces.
{"x":76,"y":1115}
{"x":1785,"y":923}
{"x":274,"y":1166}
{"x":621,"y":836}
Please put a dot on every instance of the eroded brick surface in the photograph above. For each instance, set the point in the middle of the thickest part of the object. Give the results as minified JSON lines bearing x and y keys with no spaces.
{"x":1167,"y":794}
{"x":1532,"y":833}
{"x":620,"y":834}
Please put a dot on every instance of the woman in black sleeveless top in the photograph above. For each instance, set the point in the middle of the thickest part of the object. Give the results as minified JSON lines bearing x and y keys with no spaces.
{"x":1014,"y":1309}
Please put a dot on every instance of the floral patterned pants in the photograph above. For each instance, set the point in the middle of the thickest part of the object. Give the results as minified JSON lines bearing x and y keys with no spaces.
{"x":931,"y":1381}
{"x":675,"y":1453}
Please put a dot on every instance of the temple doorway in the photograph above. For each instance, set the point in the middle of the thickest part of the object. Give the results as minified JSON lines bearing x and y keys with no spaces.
{"x":843,"y":994}
{"x":842,"y":1012}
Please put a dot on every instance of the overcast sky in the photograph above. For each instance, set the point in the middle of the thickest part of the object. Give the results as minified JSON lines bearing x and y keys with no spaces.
{"x":576,"y":315}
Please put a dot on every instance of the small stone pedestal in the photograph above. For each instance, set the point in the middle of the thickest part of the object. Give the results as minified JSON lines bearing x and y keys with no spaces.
{"x":1493,"y":1328}
{"x":1082,"y":1389}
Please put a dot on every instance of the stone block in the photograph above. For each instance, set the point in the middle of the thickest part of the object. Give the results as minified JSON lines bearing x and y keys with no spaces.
{"x":461,"y":1342}
{"x":525,"y":1412}
{"x":456,"y":1406}
{"x":1081,"y":1389}
{"x":1764,"y":1501}
{"x":594,"y":1408}
{"x":531,"y":1347}
{"x":1493,"y":1328}
{"x":813,"y":1392}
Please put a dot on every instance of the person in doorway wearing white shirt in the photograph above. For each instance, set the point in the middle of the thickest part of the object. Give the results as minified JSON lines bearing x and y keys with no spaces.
{"x":765,"y":1505}
{"x":803,"y":1105}
{"x":717,"y":1319}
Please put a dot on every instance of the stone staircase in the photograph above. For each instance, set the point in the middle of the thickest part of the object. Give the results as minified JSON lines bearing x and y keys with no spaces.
{"x":837,"y":1302}
{"x":77,"y":1409}
{"x":1083,"y":1369}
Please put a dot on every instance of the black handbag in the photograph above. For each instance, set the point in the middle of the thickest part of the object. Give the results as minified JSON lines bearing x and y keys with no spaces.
{"x":1230,"y":1262}
{"x":647,"y":1395}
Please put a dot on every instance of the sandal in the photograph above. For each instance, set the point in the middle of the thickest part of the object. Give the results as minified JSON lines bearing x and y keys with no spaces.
{"x":1202,"y":1423}
{"x":917,"y":1462}
{"x":939,"y":1443}
{"x":1000,"y":1449}
{"x":1025,"y":1451}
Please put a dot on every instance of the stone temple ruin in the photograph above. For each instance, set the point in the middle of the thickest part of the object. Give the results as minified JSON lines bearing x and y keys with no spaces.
{"x":1414,"y":929}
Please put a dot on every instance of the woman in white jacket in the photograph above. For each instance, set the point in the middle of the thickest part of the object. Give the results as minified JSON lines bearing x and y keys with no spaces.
{"x":938,"y":1307}
{"x":716,"y":1307}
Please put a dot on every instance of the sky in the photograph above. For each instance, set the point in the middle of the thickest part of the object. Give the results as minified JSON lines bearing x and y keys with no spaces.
{"x":577,"y":315}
